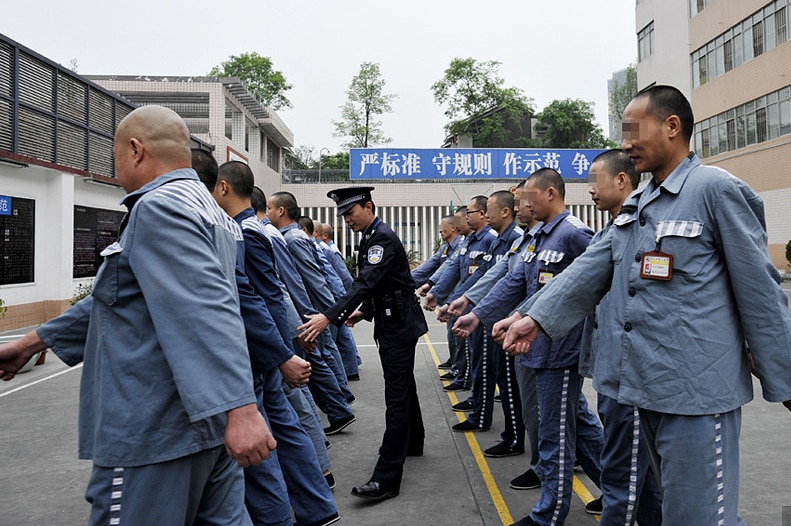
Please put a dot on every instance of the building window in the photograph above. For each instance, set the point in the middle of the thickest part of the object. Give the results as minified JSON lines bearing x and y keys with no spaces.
{"x":781,"y":26}
{"x":696,"y":6}
{"x":645,"y":42}
{"x":272,"y":156}
{"x":754,"y":122}
{"x":752,"y":37}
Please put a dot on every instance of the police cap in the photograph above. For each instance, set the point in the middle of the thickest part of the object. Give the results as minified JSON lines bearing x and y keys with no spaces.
{"x":346,"y":198}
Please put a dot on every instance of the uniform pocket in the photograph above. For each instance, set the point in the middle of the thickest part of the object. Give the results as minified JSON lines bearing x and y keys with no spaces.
{"x":105,"y":286}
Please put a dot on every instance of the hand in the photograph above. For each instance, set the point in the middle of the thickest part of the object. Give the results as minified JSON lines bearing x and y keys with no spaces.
{"x":520,"y":335}
{"x":501,"y":327}
{"x":753,"y":369}
{"x":14,"y":355}
{"x":431,"y":302}
{"x":442,"y":313}
{"x":458,"y":306}
{"x":465,"y":325}
{"x":354,"y":318}
{"x":314,"y":327}
{"x":423,"y":290}
{"x":296,"y":371}
{"x":304,"y":344}
{"x":248,"y":439}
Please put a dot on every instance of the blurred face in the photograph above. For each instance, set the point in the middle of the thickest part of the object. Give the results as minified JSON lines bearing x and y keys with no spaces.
{"x":460,"y":222}
{"x":359,"y":217}
{"x":537,"y":200}
{"x":445,"y":230}
{"x":494,"y":215}
{"x":645,"y":138}
{"x":521,"y":209}
{"x":476,"y":217}
{"x":274,"y":212}
{"x":603,"y":187}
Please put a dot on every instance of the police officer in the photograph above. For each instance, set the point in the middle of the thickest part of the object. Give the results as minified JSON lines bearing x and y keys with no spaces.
{"x":385,"y":288}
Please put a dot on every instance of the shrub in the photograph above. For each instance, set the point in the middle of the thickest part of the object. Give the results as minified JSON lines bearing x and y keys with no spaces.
{"x":83,"y":290}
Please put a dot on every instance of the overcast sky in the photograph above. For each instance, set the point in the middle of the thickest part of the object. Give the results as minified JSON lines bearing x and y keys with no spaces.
{"x":550,"y":49}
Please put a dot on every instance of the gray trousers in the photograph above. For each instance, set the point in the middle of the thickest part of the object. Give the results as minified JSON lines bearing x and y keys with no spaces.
{"x":205,"y":488}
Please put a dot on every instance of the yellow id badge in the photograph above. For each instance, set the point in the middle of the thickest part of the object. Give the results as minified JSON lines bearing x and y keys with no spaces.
{"x":657,"y":265}
{"x":545,"y":277}
{"x":471,"y":269}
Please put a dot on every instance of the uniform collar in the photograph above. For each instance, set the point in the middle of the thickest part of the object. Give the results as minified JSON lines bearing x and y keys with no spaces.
{"x":546,"y":228}
{"x":244,"y":214}
{"x":673,"y":183}
{"x":371,"y":229}
{"x":182,"y":173}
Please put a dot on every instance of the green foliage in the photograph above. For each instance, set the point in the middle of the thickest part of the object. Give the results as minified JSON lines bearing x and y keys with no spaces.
{"x":478,"y":104}
{"x":336,"y":161}
{"x":351,"y":265}
{"x":256,"y":72}
{"x":788,"y":252}
{"x":622,"y":94}
{"x":3,"y":308}
{"x":569,"y":124}
{"x":366,"y":101}
{"x":83,"y":290}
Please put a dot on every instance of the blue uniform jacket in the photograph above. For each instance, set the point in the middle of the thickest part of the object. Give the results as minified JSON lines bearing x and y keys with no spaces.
{"x":470,"y":257}
{"x":423,"y":272}
{"x":304,"y":254}
{"x":160,"y":337}
{"x":678,"y":346}
{"x":553,"y":248}
{"x":477,"y":292}
{"x":259,"y":266}
{"x":498,"y":249}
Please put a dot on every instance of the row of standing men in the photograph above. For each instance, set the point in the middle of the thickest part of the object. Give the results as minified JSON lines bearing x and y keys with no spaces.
{"x":656,"y":308}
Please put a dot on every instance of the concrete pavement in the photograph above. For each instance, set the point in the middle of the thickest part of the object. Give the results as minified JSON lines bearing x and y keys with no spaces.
{"x":43,"y":482}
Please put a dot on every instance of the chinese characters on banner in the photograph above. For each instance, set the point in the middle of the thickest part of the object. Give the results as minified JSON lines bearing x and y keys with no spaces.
{"x":473,"y":163}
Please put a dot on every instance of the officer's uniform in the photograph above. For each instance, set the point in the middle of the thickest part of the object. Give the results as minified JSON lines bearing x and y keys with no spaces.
{"x":385,"y":288}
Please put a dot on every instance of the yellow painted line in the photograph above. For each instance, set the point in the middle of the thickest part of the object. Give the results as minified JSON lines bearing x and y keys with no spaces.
{"x":582,"y":492}
{"x":497,"y":498}
{"x":483,"y":466}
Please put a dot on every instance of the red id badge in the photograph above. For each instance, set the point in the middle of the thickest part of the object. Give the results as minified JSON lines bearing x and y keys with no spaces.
{"x":657,"y":265}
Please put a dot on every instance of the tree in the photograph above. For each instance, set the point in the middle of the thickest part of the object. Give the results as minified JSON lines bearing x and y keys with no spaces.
{"x":569,"y":124}
{"x":256,"y":72}
{"x":303,"y":157}
{"x":623,"y":93}
{"x":336,"y":161}
{"x":478,"y":104}
{"x":366,"y":101}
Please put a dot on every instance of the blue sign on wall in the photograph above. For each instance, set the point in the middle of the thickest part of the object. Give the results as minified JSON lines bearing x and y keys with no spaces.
{"x":5,"y":205}
{"x":471,"y":163}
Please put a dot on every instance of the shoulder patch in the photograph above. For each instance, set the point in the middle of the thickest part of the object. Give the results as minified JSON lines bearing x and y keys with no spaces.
{"x":575,"y":221}
{"x":375,"y":254}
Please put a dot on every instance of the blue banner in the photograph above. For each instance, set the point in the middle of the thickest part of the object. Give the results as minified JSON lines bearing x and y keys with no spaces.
{"x":467,"y":163}
{"x":5,"y":205}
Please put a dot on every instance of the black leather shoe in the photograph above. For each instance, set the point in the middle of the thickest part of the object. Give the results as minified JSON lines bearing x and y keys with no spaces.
{"x":353,"y":378}
{"x":447,"y":376}
{"x":504,"y":449}
{"x":445,"y":365}
{"x":373,"y":491}
{"x":453,"y":386}
{"x":468,"y":426}
{"x":340,"y":425}
{"x":462,"y":406}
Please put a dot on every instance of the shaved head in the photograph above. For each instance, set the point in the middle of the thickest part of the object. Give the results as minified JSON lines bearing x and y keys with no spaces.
{"x":149,"y":142}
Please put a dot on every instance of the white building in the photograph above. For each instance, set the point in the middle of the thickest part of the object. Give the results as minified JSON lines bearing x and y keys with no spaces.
{"x":733,"y":59}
